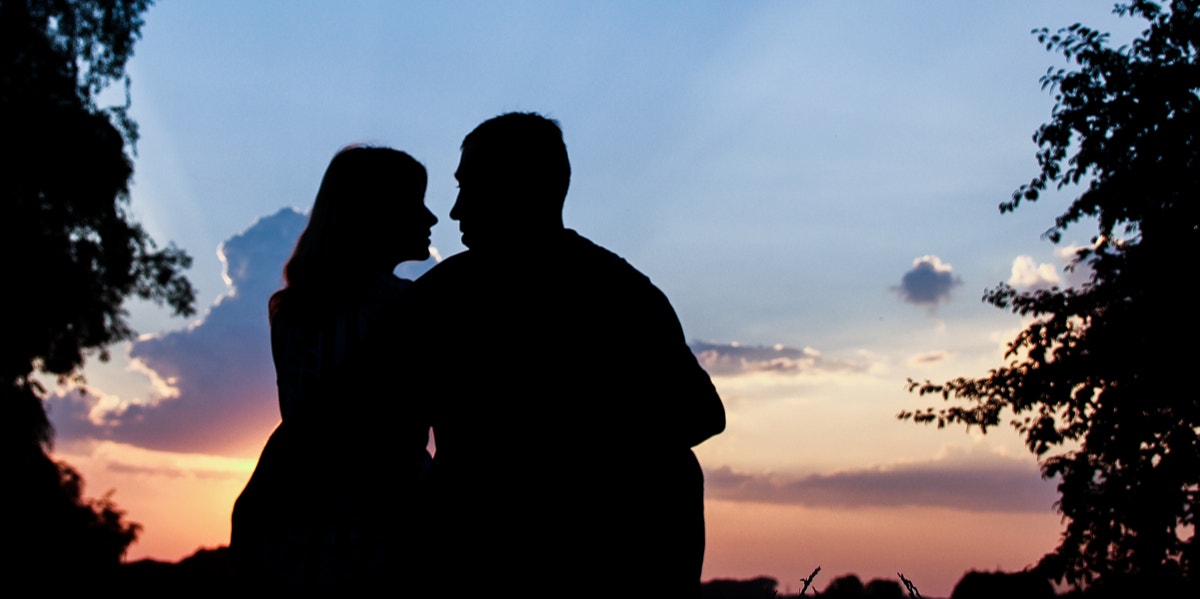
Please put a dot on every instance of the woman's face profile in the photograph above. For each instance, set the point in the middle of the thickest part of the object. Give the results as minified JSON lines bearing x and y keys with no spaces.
{"x":409,"y":227}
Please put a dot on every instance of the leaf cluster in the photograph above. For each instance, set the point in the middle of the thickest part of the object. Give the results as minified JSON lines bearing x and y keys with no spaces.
{"x":1098,"y":381}
{"x":70,"y":247}
{"x":1113,"y":118}
{"x":53,"y":527}
{"x":72,"y":254}
{"x":96,"y":39}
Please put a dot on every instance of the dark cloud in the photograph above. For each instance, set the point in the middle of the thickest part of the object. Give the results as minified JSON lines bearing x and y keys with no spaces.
{"x":977,"y":482}
{"x":732,"y":359}
{"x":931,"y":357}
{"x":928,"y":283}
{"x":220,"y":368}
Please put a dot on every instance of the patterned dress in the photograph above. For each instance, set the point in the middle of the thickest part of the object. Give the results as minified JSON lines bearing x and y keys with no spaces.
{"x":331,"y":502}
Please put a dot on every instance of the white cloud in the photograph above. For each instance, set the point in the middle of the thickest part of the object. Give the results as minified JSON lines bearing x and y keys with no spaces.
{"x":1028,"y":274}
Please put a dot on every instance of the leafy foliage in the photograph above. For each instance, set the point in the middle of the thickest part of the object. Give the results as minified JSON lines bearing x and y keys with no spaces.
{"x":69,"y":244}
{"x":1098,"y":382}
{"x":71,"y":255}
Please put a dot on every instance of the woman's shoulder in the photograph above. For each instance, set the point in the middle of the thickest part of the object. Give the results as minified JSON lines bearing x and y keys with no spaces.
{"x":388,"y":287}
{"x":293,"y":302}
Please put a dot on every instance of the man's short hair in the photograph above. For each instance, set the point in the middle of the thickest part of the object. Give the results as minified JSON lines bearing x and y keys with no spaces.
{"x":528,"y":150}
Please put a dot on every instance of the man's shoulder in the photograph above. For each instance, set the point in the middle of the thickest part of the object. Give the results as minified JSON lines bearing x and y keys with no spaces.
{"x":611,"y":279}
{"x":599,"y":260}
{"x":557,"y":261}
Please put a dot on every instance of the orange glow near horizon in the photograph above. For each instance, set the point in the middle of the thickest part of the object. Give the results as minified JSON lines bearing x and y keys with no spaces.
{"x":932,"y":547}
{"x":184,"y":503}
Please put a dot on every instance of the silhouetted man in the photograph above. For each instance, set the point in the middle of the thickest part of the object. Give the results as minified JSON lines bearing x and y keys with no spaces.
{"x":565,"y":401}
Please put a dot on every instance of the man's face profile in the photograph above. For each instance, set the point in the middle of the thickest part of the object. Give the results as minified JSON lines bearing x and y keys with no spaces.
{"x":470,"y":187}
{"x":483,"y":208}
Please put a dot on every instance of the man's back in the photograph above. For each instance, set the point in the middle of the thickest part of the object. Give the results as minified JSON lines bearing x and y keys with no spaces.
{"x":565,"y":404}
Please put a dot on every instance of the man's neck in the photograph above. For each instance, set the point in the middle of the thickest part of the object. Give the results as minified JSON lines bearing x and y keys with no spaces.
{"x":524,"y":240}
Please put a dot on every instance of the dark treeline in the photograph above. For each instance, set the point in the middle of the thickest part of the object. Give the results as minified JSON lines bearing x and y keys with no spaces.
{"x":212,"y":571}
{"x":72,"y":256}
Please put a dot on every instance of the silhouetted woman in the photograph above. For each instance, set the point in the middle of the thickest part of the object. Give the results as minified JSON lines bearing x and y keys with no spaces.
{"x":331,"y":502}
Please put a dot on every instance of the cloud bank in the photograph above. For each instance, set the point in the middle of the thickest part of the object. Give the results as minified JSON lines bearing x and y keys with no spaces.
{"x":968,"y":480}
{"x":928,"y":282}
{"x":734,"y":359}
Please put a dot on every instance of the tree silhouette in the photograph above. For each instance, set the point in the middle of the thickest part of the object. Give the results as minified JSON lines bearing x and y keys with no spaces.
{"x":848,"y":585}
{"x":71,"y":253}
{"x":976,"y":584}
{"x":1099,"y":382}
{"x":762,"y":587}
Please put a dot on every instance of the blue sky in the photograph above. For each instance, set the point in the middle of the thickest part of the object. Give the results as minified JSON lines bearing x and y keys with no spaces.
{"x":769,"y":144}
{"x":777,"y":168}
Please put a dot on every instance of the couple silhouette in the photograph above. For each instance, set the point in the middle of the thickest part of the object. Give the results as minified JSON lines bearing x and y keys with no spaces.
{"x":563,"y":397}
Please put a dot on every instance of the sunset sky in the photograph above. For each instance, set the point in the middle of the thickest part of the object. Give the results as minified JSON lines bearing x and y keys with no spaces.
{"x":814,"y":185}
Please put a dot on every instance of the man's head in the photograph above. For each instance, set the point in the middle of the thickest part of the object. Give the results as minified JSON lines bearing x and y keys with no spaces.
{"x":512,"y":179}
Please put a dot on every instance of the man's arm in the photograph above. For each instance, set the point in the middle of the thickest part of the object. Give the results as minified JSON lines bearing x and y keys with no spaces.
{"x":687,"y":404}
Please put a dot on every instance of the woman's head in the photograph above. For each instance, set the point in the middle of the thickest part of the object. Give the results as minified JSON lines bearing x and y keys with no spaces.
{"x":369,"y":216}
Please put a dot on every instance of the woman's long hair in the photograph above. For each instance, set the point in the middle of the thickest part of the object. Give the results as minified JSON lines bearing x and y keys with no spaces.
{"x":361,"y":196}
